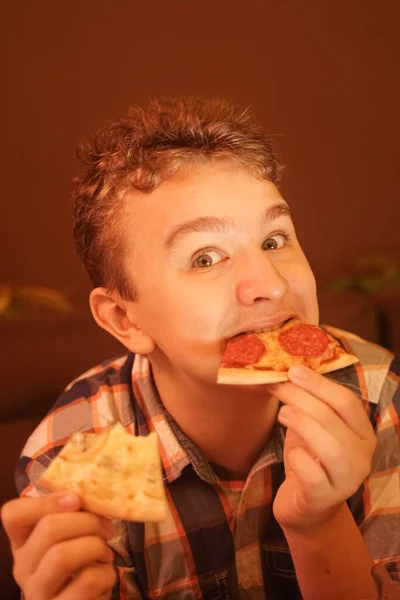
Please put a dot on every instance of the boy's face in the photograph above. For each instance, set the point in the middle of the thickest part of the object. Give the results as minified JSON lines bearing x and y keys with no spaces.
{"x":213,"y":252}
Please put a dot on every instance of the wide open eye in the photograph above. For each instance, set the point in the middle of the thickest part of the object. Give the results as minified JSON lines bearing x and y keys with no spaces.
{"x":274,"y":242}
{"x":206,"y":258}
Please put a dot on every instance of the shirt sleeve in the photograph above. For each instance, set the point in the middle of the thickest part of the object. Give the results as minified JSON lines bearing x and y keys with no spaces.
{"x":379,"y":498}
{"x":73,"y":412}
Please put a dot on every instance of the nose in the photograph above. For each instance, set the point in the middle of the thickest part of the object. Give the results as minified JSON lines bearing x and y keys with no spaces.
{"x":260,"y":279}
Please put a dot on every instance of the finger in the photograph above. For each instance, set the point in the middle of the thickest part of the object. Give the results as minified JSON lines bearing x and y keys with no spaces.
{"x":292,"y":395}
{"x":105,"y":596}
{"x":62,"y":560}
{"x":309,"y":473}
{"x":337,"y":396}
{"x":20,"y":516}
{"x":53,"y":529}
{"x":91,"y":583}
{"x":338,"y":461}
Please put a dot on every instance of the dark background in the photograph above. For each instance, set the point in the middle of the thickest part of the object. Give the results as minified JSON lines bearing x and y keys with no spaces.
{"x":322,"y":76}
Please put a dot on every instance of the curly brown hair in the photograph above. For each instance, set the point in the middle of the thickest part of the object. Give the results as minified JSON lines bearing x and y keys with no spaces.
{"x":141,"y":150}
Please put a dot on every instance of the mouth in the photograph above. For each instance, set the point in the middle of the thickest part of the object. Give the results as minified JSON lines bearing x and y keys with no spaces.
{"x":264,"y":327}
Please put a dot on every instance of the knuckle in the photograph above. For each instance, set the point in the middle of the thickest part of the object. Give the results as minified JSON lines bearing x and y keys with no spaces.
{"x":47,"y":526}
{"x":17,"y":573}
{"x":358,"y":472}
{"x":58,"y":557}
{"x":111,"y":575}
{"x":316,"y":479}
{"x":336,"y":454}
{"x":98,"y":546}
{"x":366,"y":467}
{"x":9,"y":512}
{"x":89,"y":580}
{"x":108,"y":576}
{"x":110,"y":554}
{"x":93,"y":580}
{"x":97,"y":549}
{"x":6,"y":512}
{"x":368,"y":452}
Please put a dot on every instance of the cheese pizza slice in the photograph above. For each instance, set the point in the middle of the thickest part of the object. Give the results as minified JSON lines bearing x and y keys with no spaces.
{"x":115,"y":473}
{"x":256,"y":358}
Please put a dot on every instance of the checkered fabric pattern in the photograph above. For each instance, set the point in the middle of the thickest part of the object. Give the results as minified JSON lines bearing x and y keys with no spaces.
{"x":220,"y":539}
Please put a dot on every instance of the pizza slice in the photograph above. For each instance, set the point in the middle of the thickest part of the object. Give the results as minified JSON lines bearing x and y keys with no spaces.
{"x":115,"y":473}
{"x":266,"y":357}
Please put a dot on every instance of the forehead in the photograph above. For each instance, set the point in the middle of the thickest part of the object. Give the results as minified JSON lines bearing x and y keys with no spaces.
{"x":218,"y":190}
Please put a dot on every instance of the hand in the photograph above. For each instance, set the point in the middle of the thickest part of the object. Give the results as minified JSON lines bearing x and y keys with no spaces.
{"x":328,"y":448}
{"x":60,"y":552}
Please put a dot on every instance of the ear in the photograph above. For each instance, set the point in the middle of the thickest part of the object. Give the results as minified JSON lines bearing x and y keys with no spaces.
{"x":110,"y":312}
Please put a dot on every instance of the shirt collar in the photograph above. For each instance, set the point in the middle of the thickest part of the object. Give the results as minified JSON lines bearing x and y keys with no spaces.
{"x":176,"y":449}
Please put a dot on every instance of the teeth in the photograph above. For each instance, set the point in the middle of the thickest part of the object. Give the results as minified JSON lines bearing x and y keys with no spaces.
{"x":266,"y":329}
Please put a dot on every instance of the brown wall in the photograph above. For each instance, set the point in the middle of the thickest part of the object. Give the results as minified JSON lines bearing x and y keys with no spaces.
{"x":323,"y":76}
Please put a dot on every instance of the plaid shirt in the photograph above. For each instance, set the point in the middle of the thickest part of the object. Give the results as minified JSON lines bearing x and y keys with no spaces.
{"x":220,"y":539}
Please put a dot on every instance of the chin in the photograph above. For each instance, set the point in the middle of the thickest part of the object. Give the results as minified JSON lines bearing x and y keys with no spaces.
{"x":258,"y":392}
{"x":261,"y":390}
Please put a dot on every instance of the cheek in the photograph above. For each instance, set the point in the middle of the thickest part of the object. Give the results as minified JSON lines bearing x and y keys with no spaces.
{"x":174,"y":310}
{"x":303,"y":286}
{"x":305,"y":279}
{"x":197,"y":313}
{"x":187,"y":330}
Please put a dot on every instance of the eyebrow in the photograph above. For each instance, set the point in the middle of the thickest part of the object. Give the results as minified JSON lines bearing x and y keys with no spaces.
{"x":218,"y":224}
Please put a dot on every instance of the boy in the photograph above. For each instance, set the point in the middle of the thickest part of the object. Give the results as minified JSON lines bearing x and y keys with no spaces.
{"x":281,"y":491}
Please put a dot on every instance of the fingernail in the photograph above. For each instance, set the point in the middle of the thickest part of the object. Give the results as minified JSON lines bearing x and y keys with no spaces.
{"x":68,"y":500}
{"x":299,"y":372}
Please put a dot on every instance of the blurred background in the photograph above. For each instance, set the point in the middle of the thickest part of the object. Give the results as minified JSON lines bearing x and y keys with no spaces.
{"x":322,"y":76}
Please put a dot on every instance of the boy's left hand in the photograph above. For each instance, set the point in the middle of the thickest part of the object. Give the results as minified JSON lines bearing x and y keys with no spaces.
{"x":328,"y":448}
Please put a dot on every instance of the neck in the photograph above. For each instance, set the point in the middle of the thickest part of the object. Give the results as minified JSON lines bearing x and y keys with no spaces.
{"x":230,"y":424}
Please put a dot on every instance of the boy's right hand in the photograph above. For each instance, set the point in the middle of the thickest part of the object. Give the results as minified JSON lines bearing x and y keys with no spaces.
{"x":60,"y":552}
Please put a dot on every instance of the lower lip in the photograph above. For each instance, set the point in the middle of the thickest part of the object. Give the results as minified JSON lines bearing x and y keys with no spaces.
{"x":270,"y":328}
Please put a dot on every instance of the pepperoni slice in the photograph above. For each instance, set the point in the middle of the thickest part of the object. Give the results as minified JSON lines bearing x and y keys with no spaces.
{"x":304,"y":340}
{"x":243,"y":350}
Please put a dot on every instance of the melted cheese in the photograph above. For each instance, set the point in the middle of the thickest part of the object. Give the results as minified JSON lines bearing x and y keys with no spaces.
{"x":109,"y":465}
{"x":277,"y":359}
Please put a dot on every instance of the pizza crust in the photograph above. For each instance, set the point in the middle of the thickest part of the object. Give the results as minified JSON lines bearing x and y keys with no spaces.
{"x":342,"y":361}
{"x":237,"y":376}
{"x":115,"y":474}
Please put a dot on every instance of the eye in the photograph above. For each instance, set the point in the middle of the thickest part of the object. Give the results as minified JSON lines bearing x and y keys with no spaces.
{"x":274,"y":242}
{"x":207,"y":258}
